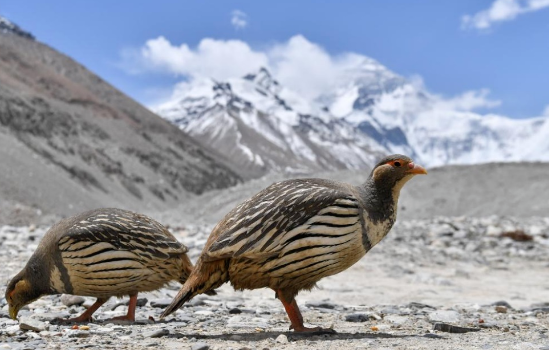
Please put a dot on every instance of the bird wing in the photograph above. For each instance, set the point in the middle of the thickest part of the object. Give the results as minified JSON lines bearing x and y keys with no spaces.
{"x":116,"y":232}
{"x":281,"y":214}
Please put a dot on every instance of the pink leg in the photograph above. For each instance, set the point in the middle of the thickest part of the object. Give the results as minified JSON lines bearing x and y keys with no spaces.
{"x":295,"y":316}
{"x":130,"y":316}
{"x":87,"y":315}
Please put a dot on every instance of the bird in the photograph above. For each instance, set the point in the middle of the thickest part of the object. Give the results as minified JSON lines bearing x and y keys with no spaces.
{"x":295,"y":232}
{"x":100,"y":253}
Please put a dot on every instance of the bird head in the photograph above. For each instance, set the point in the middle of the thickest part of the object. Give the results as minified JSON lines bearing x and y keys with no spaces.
{"x":393,"y":171}
{"x":20,"y":292}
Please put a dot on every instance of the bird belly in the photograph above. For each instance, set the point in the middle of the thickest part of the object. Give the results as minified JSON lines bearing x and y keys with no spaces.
{"x":111,"y":272}
{"x":302,"y":262}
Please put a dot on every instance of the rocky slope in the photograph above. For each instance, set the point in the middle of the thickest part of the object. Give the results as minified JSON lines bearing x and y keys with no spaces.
{"x":70,"y":141}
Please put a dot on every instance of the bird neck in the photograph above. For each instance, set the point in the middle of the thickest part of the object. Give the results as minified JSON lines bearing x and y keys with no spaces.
{"x":380,"y":200}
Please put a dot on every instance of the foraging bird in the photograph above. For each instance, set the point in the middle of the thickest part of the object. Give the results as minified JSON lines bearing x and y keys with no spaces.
{"x":100,"y":253}
{"x":295,"y":232}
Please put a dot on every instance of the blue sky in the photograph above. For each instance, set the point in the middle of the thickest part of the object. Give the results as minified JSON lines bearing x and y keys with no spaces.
{"x":503,"y":46}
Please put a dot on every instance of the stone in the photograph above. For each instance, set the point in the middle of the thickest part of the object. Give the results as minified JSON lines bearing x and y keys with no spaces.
{"x":358,"y":318}
{"x":448,"y":328}
{"x":235,"y":311}
{"x":445,"y":316}
{"x":282,"y":339}
{"x":321,"y":304}
{"x":29,"y":324}
{"x":502,"y":303}
{"x":200,"y":346}
{"x":500,"y":309}
{"x":160,"y":303}
{"x":398,"y":320}
{"x":72,"y":300}
{"x":156,"y":333}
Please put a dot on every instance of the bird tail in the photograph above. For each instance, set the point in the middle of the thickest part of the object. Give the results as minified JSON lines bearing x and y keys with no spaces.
{"x":200,"y":281}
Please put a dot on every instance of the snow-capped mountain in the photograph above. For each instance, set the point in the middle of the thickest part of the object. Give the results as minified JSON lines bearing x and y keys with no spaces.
{"x":263,"y":126}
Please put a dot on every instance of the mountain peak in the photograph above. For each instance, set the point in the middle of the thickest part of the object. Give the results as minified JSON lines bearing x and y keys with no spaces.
{"x":264,"y":79}
{"x":7,"y":26}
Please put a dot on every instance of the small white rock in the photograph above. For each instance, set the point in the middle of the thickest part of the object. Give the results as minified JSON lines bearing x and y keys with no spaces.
{"x":282,"y":339}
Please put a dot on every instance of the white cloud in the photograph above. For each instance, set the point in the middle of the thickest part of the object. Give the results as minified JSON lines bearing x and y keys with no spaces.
{"x":502,"y":10}
{"x":468,"y":101}
{"x":298,"y":64}
{"x":218,"y":59}
{"x":239,"y":19}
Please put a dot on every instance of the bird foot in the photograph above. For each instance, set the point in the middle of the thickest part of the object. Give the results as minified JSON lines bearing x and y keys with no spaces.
{"x":124,"y":319}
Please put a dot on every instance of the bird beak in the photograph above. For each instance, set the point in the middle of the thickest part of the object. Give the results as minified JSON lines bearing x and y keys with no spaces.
{"x":416,"y":169}
{"x":13,"y":312}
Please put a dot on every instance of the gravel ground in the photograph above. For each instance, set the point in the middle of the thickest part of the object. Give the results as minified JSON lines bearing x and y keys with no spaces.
{"x":443,"y":283}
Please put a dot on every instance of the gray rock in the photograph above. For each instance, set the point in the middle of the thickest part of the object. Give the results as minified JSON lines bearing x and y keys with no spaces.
{"x":321,"y":305}
{"x":448,"y":328}
{"x":160,"y":303}
{"x":200,"y":346}
{"x":282,"y":339}
{"x":502,"y":303}
{"x":358,"y":318}
{"x":29,"y":324}
{"x":446,"y":316}
{"x":72,"y":300}
{"x":156,"y":333}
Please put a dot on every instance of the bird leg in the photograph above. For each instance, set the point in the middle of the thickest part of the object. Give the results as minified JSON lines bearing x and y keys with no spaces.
{"x":87,"y":315}
{"x":295,"y":315}
{"x":130,"y":316}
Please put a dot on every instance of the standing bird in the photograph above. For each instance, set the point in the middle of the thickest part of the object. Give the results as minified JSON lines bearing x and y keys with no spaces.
{"x":100,"y":253}
{"x":295,"y":232}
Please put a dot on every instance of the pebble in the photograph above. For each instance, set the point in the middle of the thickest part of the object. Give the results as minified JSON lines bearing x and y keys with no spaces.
{"x":156,"y":333}
{"x":358,"y":318}
{"x":72,"y":300}
{"x":29,"y":324}
{"x":160,"y":303}
{"x":446,"y":316}
{"x":200,"y":346}
{"x":282,"y":339}
{"x":321,"y":304}
{"x":501,"y":309}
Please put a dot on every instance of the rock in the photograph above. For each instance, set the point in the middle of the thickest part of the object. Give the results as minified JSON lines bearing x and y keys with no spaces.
{"x":502,"y":303}
{"x":72,"y":300}
{"x":29,"y":324}
{"x":358,"y":317}
{"x":321,"y":304}
{"x":156,"y":333}
{"x":160,"y":303}
{"x":200,"y":346}
{"x":282,"y":339}
{"x":501,"y":309}
{"x":398,"y":320}
{"x":446,"y":316}
{"x":448,"y":328}
{"x":235,"y":311}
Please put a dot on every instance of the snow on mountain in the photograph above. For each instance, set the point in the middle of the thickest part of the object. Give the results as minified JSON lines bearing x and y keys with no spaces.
{"x":263,"y":126}
{"x":6,"y":26}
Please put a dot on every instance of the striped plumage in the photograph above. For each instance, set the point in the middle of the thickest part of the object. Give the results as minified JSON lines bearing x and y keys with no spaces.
{"x":293,"y":233}
{"x":101,"y":253}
